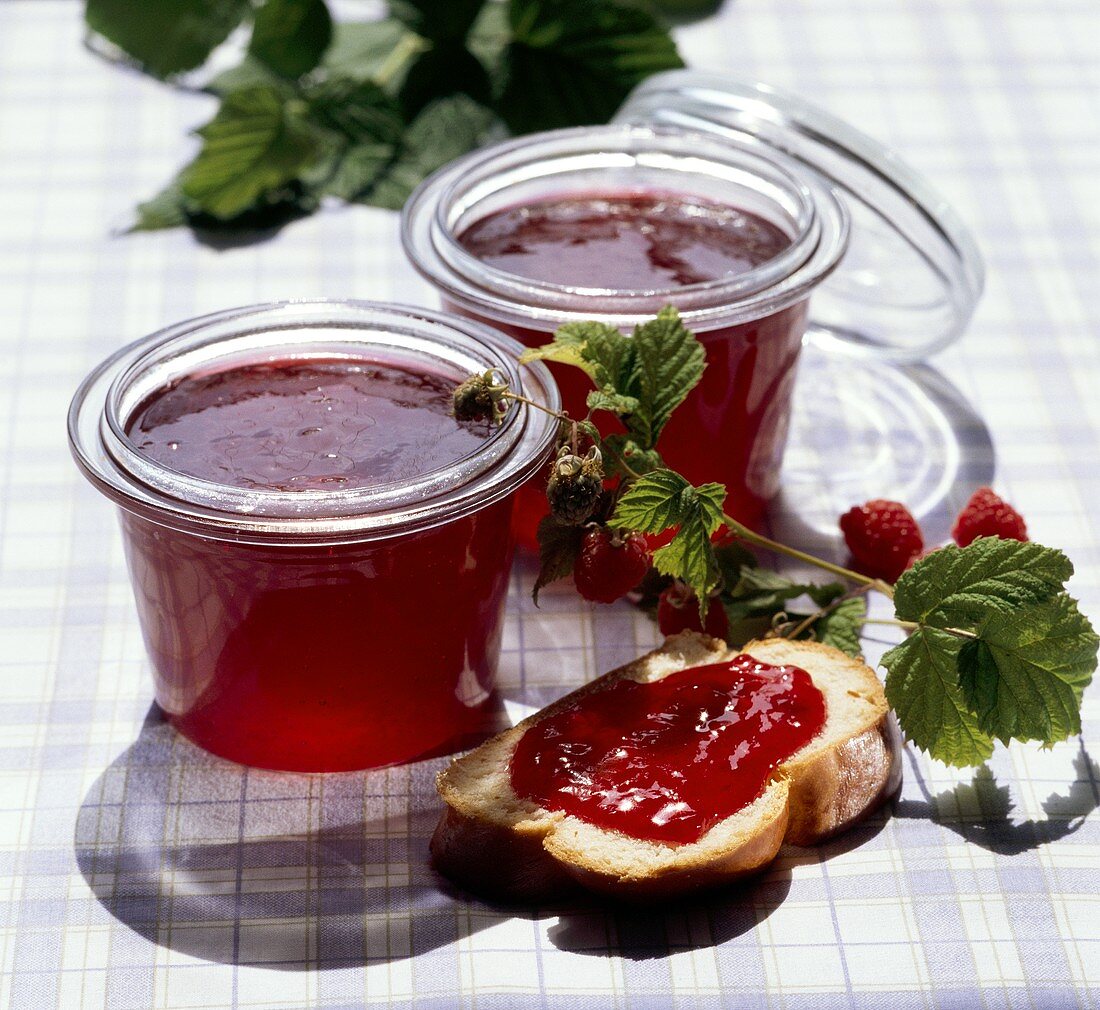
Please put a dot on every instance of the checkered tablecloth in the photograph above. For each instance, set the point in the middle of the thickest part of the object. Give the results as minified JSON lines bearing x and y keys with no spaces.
{"x":136,"y":872}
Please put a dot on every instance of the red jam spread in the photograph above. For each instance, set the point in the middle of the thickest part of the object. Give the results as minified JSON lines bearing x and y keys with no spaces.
{"x":304,"y":424}
{"x":666,"y":761}
{"x":624,"y":242}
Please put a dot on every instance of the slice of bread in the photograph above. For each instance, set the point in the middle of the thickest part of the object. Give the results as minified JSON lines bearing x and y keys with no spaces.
{"x":504,"y":846}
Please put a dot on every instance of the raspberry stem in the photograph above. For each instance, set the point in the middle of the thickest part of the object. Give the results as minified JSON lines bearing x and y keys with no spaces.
{"x":749,"y":536}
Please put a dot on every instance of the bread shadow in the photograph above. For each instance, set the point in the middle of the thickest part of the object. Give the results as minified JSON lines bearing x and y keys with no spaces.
{"x":980,"y":811}
{"x":285,"y":871}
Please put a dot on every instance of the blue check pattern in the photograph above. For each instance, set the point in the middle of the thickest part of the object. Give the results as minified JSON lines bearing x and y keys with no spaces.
{"x":137,"y":872}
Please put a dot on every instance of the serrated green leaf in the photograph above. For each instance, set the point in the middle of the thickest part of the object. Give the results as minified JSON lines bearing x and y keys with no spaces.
{"x":689,"y":557}
{"x":601,"y":351}
{"x":444,"y":130}
{"x":746,"y":629}
{"x":842,"y":626}
{"x":165,"y":210}
{"x":166,"y":36}
{"x":957,"y":587}
{"x":291,"y":36}
{"x":1025,"y":675}
{"x":607,"y":399}
{"x":559,"y":545}
{"x":451,"y":20}
{"x":445,"y":69}
{"x":249,"y":73}
{"x":255,"y":146}
{"x":572,"y":62}
{"x":922,"y":686}
{"x":668,"y":363}
{"x":377,"y":51}
{"x":663,"y":498}
{"x":621,"y":452}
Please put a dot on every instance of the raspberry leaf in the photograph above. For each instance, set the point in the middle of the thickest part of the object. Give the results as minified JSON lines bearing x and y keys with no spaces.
{"x":663,"y":499}
{"x":1025,"y":675}
{"x":608,"y":399}
{"x":669,"y":365}
{"x":599,"y":350}
{"x":291,"y":36}
{"x":958,"y":586}
{"x":622,"y":452}
{"x":922,"y":686}
{"x":842,"y":626}
{"x":257,"y":144}
{"x":559,"y":545}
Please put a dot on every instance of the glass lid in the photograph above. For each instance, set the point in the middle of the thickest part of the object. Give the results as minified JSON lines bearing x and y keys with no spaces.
{"x":912,"y":274}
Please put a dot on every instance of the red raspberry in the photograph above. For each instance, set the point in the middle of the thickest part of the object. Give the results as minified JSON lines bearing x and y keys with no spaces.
{"x":988,"y":515}
{"x":608,"y":568}
{"x":678,"y":610}
{"x":882,"y":536}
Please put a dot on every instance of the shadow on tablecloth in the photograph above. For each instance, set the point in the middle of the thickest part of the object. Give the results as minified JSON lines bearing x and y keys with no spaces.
{"x":307,"y":872}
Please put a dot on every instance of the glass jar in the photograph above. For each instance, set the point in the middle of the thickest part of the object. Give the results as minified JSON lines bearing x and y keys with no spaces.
{"x":908,"y":289}
{"x":317,"y":630}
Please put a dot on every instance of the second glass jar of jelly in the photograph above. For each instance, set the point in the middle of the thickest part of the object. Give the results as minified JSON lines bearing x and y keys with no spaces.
{"x":319,"y":551}
{"x":735,"y":203}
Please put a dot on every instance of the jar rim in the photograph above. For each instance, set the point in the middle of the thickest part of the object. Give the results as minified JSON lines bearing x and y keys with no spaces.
{"x":817,"y":226}
{"x":327,"y":328}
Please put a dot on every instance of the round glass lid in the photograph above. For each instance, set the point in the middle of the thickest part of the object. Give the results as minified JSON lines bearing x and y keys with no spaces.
{"x":912,"y":274}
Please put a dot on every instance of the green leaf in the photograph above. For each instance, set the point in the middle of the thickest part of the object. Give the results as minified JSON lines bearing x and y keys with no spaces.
{"x":450,"y":20}
{"x":842,"y":626}
{"x":166,"y":36}
{"x":367,"y":128}
{"x":291,"y":36}
{"x":257,"y":144}
{"x":957,"y":587}
{"x":559,"y":545}
{"x":377,"y":51}
{"x":600,"y":350}
{"x":1025,"y":675}
{"x":249,"y":73}
{"x":621,"y":451}
{"x":669,"y":363}
{"x":663,"y":499}
{"x":448,"y":68}
{"x":572,"y":62}
{"x":689,"y":556}
{"x":444,"y":130}
{"x":608,"y":399}
{"x":489,"y":36}
{"x":165,"y":210}
{"x":922,"y":686}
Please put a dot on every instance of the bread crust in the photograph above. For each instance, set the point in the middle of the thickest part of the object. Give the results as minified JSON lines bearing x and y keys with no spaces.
{"x":507,"y":848}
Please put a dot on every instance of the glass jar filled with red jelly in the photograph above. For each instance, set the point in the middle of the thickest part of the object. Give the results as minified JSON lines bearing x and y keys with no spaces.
{"x":319,"y":550}
{"x":734,"y":203}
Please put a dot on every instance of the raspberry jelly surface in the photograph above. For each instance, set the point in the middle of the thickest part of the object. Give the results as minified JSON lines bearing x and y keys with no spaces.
{"x":318,"y":657}
{"x":624,"y":241}
{"x":304,"y":424}
{"x":666,"y":761}
{"x":732,"y":427}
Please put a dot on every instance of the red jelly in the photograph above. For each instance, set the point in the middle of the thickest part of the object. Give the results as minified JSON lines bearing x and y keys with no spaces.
{"x":612,"y":223}
{"x":666,"y":761}
{"x":319,"y":551}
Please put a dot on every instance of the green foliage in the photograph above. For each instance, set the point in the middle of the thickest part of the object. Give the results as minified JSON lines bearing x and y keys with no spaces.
{"x":291,"y":36}
{"x":999,"y":650}
{"x":572,"y":62}
{"x":451,"y":73}
{"x":559,"y":545}
{"x":166,"y":37}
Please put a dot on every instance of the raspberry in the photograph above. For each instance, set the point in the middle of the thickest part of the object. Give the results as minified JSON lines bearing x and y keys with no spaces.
{"x":988,"y":515}
{"x":609,"y":567}
{"x":678,"y":610}
{"x":575,"y":485}
{"x":882,"y":536}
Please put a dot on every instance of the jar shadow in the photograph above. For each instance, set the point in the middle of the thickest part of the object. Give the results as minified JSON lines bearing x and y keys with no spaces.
{"x":870,"y":429}
{"x":278,"y":870}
